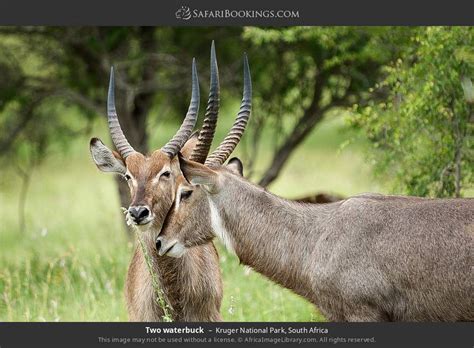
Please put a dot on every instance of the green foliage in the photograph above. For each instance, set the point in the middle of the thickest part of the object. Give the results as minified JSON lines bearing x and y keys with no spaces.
{"x":303,"y":74}
{"x":34,"y":115}
{"x":50,"y":74}
{"x":299,"y":73}
{"x":421,"y":130}
{"x":296,"y":64}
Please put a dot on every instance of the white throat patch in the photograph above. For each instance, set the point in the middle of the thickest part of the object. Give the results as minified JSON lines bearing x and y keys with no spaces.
{"x":218,"y":227}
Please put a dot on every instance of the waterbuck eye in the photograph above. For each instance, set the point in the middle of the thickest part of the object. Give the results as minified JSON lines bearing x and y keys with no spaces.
{"x":166,"y":174}
{"x":127,"y":177}
{"x":186,"y":194}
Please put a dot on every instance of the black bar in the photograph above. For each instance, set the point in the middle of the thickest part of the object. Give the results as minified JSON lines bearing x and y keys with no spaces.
{"x":386,"y":335}
{"x":164,"y":13}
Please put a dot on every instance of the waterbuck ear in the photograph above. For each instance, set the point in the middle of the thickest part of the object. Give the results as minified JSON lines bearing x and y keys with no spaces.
{"x":188,"y":147}
{"x":105,"y":159}
{"x":235,"y":166}
{"x":198,"y":174}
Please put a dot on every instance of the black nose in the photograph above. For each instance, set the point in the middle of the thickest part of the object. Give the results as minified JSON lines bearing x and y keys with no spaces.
{"x":139,"y":213}
{"x":158,"y":244}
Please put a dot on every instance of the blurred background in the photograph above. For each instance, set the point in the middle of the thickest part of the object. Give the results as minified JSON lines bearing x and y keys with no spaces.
{"x":337,"y":111}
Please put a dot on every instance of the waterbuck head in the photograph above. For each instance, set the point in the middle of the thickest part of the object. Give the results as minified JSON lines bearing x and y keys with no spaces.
{"x":152,"y":178}
{"x":193,"y":219}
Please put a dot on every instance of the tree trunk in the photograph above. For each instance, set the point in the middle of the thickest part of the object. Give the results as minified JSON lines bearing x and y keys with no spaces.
{"x":311,"y":117}
{"x":300,"y":132}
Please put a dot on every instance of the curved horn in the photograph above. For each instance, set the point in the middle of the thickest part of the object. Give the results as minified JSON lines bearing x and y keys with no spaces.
{"x":220,"y":155}
{"x":184,"y":132}
{"x":201,"y":150}
{"x":118,"y":138}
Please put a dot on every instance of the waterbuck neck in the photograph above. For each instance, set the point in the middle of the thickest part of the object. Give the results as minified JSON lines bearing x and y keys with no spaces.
{"x":274,"y":236}
{"x":191,"y":294}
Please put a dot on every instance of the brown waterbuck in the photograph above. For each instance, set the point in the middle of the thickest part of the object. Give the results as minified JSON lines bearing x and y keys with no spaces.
{"x":191,"y":285}
{"x":367,"y":258}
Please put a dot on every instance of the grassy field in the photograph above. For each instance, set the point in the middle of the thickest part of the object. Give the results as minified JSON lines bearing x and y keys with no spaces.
{"x":70,"y":263}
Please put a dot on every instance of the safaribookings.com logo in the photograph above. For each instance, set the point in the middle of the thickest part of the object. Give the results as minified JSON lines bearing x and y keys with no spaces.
{"x":186,"y":13}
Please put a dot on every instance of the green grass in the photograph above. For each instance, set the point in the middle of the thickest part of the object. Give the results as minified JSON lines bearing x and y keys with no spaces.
{"x":70,"y":263}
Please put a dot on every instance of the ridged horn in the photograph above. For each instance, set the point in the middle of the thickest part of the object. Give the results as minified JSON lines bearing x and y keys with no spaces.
{"x":201,"y":150}
{"x":118,"y":138}
{"x":223,"y":151}
{"x":184,"y":132}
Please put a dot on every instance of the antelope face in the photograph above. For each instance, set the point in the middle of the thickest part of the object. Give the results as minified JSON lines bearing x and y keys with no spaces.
{"x":187,"y":223}
{"x":151,"y":184}
{"x":151,"y":180}
{"x":193,"y":218}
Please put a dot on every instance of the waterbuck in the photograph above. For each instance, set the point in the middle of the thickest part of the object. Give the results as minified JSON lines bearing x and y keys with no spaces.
{"x":191,"y":285}
{"x":367,"y":258}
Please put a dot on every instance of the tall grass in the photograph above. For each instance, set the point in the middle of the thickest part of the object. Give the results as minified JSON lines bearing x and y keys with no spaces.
{"x":71,"y":262}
